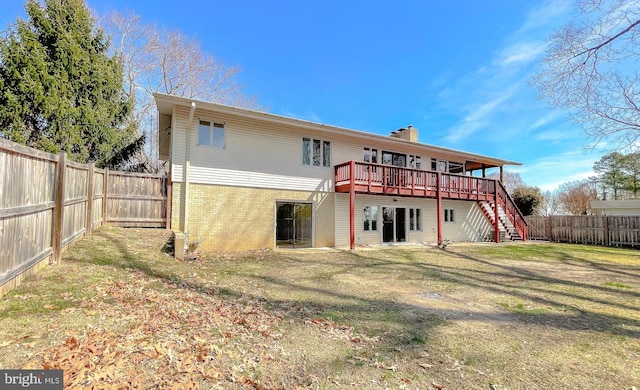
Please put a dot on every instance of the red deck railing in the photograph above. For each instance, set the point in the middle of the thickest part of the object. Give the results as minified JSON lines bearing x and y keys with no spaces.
{"x":389,"y":180}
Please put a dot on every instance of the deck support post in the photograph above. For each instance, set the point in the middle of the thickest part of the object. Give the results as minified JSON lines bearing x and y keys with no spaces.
{"x":352,"y":206}
{"x":496,"y":227}
{"x":501,"y":174}
{"x":439,"y":206}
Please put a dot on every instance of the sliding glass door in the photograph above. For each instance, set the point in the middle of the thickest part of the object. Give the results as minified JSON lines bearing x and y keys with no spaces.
{"x":294,"y":225}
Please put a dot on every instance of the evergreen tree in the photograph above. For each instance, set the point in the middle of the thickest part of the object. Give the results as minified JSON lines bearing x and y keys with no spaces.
{"x":528,"y":199}
{"x":59,"y":88}
{"x":631,"y":168}
{"x":610,"y":172}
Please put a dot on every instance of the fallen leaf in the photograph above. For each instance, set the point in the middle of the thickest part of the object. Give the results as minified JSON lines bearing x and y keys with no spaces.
{"x":71,"y":343}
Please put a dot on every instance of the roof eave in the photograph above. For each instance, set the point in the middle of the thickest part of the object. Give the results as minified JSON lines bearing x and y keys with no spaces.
{"x":165,"y":104}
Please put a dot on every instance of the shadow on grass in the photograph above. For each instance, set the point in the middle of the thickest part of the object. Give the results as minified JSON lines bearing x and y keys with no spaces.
{"x":526,"y":284}
{"x":402,"y":325}
{"x":399,"y":326}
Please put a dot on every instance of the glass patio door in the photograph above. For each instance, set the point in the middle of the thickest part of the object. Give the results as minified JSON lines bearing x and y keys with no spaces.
{"x":394,"y":224}
{"x":293,"y":225}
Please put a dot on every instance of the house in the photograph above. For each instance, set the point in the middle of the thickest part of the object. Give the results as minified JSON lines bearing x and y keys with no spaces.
{"x":626,"y":207}
{"x":242,"y":179}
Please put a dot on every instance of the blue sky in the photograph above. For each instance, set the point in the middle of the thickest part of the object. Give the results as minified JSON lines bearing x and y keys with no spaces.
{"x":458,"y":71}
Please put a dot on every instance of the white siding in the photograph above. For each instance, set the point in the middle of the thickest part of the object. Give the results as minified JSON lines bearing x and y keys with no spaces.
{"x":256,"y":154}
{"x":178,"y":142}
{"x":470,"y":222}
{"x":342,"y":220}
{"x":263,"y":154}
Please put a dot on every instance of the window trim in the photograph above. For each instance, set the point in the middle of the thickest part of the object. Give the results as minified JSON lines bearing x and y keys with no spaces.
{"x":373,"y":217}
{"x":417,"y":161}
{"x":415,"y":219}
{"x":372,"y":153}
{"x":307,"y":157}
{"x":449,"y":215}
{"x":394,"y":158}
{"x":213,"y":125}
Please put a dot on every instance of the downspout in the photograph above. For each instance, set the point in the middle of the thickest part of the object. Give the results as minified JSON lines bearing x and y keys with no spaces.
{"x":187,"y":166}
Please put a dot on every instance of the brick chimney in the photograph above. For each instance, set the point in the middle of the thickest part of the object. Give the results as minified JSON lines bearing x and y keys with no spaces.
{"x":409,"y":134}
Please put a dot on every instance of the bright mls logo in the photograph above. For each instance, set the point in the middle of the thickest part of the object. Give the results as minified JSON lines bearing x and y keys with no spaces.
{"x":31,"y":379}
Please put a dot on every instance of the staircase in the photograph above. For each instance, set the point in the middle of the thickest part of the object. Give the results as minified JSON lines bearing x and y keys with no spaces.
{"x":507,"y":230}
{"x":511,"y":223}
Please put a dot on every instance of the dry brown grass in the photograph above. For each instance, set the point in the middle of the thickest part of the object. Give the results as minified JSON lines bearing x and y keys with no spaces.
{"x":120,"y":310}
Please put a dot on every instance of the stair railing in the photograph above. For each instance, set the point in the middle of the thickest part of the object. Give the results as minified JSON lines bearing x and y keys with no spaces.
{"x":511,"y":210}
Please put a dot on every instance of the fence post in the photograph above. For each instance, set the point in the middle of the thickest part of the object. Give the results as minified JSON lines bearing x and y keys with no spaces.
{"x":606,"y":230}
{"x":104,"y":196}
{"x":550,"y":228}
{"x":58,"y":209}
{"x":89,"y":223}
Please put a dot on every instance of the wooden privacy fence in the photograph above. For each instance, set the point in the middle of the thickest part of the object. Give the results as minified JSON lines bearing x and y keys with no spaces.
{"x":47,"y":202}
{"x":587,"y":229}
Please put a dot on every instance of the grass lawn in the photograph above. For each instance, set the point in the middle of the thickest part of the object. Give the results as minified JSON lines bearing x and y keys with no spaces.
{"x":120,"y":313}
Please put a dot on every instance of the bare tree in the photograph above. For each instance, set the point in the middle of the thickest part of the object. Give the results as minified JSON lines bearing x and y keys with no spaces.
{"x":590,"y":68}
{"x":511,"y":180}
{"x":550,"y":204}
{"x":160,"y":60}
{"x":575,"y":196}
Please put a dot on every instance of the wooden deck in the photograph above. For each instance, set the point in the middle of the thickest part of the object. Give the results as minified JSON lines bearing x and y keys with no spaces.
{"x":367,"y":178}
{"x":390,"y":180}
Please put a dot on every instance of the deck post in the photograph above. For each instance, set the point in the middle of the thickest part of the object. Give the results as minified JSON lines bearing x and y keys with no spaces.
{"x":496,"y":227}
{"x":352,"y":206}
{"x":439,"y":206}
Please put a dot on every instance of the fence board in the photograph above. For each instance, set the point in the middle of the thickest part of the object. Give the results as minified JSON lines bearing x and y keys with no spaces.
{"x":44,"y":206}
{"x":136,"y":200}
{"x":27,"y":180}
{"x":587,"y":229}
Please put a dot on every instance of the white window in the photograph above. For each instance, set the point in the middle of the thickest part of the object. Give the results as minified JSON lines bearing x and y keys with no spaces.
{"x":439,"y":165}
{"x":414,"y":219}
{"x":447,"y":166}
{"x":211,"y":134}
{"x":370,"y":155}
{"x":316,"y":152}
{"x":370,"y":218}
{"x":456,"y":167}
{"x":449,"y":215}
{"x":415,"y":222}
{"x":414,"y":161}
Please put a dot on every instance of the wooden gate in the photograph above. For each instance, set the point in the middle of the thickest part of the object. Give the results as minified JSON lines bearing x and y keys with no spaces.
{"x":136,"y":199}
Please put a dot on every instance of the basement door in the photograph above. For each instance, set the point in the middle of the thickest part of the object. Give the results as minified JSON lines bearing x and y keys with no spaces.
{"x":394,"y":224}
{"x":293,"y":225}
